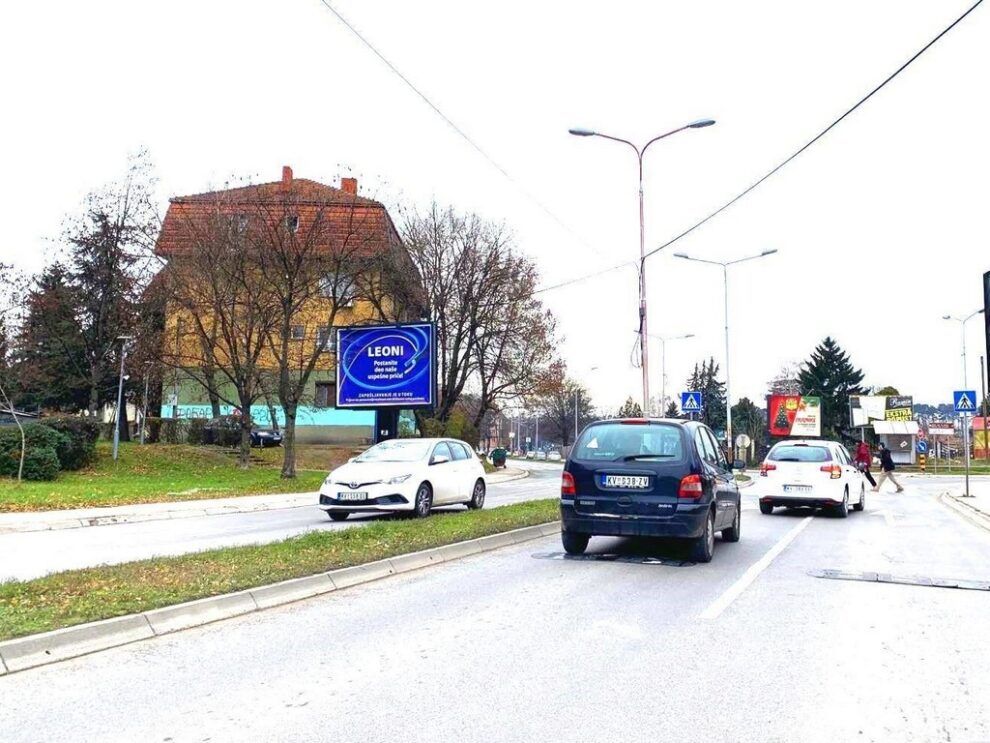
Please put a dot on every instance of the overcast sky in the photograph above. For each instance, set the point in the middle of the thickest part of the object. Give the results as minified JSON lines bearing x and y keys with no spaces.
{"x":882,"y":226}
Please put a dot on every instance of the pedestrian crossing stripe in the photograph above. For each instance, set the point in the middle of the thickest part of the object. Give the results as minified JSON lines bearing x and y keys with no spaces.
{"x":691,"y":403}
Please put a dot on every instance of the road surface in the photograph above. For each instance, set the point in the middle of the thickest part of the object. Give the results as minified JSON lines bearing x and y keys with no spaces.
{"x":33,"y":554}
{"x":631,"y":643}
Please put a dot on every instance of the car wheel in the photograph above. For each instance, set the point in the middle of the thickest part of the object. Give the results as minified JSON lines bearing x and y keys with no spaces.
{"x":477,"y":501}
{"x":862,"y":500}
{"x":338,"y":515}
{"x":424,"y":501}
{"x":732,"y":533}
{"x":842,"y":510}
{"x":704,"y":546}
{"x":574,"y":544}
{"x":766,"y":508}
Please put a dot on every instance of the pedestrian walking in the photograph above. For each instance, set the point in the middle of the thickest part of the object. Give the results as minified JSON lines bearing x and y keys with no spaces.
{"x":864,"y":460}
{"x":886,"y":470}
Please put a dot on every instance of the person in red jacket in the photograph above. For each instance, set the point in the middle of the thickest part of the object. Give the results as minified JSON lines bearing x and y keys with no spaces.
{"x":864,"y":458}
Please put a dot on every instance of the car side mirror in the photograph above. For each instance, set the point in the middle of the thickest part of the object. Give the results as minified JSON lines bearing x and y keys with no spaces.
{"x":739,"y":465}
{"x":440,"y":459}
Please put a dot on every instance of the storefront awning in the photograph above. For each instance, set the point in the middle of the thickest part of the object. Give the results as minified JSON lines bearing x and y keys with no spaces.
{"x":904,"y":428}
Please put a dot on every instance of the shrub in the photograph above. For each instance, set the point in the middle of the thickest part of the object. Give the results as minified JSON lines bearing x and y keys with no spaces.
{"x":40,"y":463}
{"x":223,"y":431}
{"x":79,"y":449}
{"x":173,"y":430}
{"x":153,"y":430}
{"x":196,"y":433}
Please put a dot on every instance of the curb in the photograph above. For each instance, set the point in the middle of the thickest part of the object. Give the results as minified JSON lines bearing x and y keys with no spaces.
{"x":32,"y":651}
{"x":523,"y":474}
{"x":973,"y":515}
{"x":134,"y":518}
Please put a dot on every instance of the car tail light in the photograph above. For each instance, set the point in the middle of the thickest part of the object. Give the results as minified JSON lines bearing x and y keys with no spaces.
{"x":834,"y":470}
{"x":766,"y":467}
{"x":634,"y":422}
{"x":691,"y":488}
{"x":567,"y":486}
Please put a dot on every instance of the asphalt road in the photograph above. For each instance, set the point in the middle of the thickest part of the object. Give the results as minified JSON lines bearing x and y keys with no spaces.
{"x":33,"y":554}
{"x":629,"y":644}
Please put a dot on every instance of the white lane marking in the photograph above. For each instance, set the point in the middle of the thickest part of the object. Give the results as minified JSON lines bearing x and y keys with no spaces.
{"x":733,"y":592}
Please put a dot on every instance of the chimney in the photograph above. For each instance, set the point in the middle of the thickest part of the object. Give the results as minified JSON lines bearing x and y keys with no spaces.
{"x":349,"y":185}
{"x":286,"y":176}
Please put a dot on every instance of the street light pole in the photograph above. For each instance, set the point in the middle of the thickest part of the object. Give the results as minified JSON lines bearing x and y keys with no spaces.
{"x":725,"y":277}
{"x":120,"y":392}
{"x":144,"y":411}
{"x":962,"y":324}
{"x":663,"y":364}
{"x":640,"y":151}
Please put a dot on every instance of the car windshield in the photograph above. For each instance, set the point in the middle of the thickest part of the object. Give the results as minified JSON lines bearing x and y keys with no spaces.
{"x":615,"y":442}
{"x":396,"y":450}
{"x":799,"y":453}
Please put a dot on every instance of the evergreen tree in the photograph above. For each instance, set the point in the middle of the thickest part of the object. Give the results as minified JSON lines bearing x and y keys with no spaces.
{"x":704,"y":379}
{"x":672,"y":411}
{"x":830,"y":375}
{"x":630,"y":409}
{"x":747,"y":418}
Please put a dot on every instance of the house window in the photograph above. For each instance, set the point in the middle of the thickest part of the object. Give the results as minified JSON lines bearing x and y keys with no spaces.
{"x":340,"y":287}
{"x":326,"y":339}
{"x":298,"y":332}
{"x":326,"y":395}
{"x":292,"y":223}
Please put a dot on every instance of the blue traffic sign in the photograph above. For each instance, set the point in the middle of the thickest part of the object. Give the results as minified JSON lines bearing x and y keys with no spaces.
{"x":964,"y":401}
{"x":922,"y":447}
{"x":691,"y":402}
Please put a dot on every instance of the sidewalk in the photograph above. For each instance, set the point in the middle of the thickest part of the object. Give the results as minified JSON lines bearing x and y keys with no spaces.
{"x":81,"y":517}
{"x":975,"y":508}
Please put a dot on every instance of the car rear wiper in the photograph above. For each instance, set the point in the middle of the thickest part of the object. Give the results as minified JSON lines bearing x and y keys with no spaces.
{"x":788,"y":459}
{"x":633,"y":457}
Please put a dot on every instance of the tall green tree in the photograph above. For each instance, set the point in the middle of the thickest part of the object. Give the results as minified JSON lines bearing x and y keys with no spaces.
{"x":830,"y":375}
{"x":747,"y":418}
{"x":704,"y":379}
{"x":630,"y":409}
{"x":672,"y":411}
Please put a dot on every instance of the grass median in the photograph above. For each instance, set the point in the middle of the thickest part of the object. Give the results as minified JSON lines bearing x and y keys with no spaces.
{"x":79,"y":596}
{"x":162,"y":473}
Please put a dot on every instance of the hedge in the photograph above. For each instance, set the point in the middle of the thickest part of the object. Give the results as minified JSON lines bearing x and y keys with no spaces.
{"x":41,"y":460}
{"x":79,"y":449}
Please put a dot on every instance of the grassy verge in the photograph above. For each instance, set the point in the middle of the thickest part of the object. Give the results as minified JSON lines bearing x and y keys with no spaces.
{"x":159,"y":473}
{"x":78,"y":596}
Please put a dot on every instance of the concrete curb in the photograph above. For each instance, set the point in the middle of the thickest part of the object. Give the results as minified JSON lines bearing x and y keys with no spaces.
{"x":523,"y":474}
{"x":973,"y":515}
{"x":16,"y":523}
{"x":51,"y":647}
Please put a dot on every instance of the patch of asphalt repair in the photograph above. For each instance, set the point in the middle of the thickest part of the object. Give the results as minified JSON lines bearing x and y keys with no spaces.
{"x":903,"y":580}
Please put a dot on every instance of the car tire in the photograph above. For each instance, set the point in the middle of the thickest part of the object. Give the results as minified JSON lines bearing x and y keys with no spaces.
{"x":766,"y":508}
{"x":733,"y":532}
{"x":477,"y":501}
{"x":842,"y":510}
{"x":861,"y":506}
{"x":424,"y":501}
{"x":574,"y":544}
{"x":704,"y":546}
{"x":338,"y":515}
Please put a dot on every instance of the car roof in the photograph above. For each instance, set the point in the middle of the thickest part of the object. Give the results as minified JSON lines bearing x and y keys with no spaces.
{"x":647,"y":421}
{"x":807,"y":442}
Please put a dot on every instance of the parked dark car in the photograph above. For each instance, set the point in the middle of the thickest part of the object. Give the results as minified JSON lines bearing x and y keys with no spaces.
{"x":265,"y":437}
{"x":649,"y":478}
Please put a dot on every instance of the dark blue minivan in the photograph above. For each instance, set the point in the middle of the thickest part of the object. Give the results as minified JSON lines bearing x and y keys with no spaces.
{"x":635,"y":477}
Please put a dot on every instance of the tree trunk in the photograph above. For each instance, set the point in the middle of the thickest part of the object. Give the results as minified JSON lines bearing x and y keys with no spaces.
{"x":244,"y":455}
{"x":289,"y":443}
{"x":125,"y":429}
{"x":94,"y":396}
{"x":271,"y":411}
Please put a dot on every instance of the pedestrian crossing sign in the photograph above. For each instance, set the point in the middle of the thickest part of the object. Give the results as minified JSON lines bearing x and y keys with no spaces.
{"x":964,"y":401}
{"x":691,"y":402}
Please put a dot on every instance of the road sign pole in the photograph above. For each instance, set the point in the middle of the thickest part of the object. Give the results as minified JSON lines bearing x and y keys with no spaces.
{"x":966,"y":440}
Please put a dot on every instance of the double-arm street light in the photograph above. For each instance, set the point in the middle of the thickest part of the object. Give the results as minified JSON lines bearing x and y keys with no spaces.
{"x":962,"y":323}
{"x":725,"y":276}
{"x":640,"y":151}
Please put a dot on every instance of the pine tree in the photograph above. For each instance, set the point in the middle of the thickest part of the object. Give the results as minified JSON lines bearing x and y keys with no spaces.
{"x":830,"y":375}
{"x":630,"y":409}
{"x":704,"y":379}
{"x":672,"y":411}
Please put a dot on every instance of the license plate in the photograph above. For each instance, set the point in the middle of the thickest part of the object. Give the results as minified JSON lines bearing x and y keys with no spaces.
{"x":352,"y":495}
{"x":797,"y":488}
{"x":625,"y":481}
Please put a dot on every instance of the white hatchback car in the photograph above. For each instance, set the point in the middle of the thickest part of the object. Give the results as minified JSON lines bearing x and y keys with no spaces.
{"x":813,"y":473}
{"x":405,"y":475}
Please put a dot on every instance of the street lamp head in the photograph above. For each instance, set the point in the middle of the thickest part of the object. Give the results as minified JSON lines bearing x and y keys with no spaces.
{"x":701,"y":123}
{"x":768,"y":252}
{"x":946,"y":317}
{"x":689,"y":335}
{"x":682,"y":255}
{"x":581,"y":132}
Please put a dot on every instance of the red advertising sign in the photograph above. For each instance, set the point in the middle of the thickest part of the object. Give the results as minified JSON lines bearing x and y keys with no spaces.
{"x":794,"y":415}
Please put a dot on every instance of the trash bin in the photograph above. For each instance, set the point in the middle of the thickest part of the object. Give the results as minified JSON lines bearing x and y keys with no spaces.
{"x":498,"y":457}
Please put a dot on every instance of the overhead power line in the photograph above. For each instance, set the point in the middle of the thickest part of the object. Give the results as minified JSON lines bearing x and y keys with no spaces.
{"x":463,"y":134}
{"x":762,"y":180}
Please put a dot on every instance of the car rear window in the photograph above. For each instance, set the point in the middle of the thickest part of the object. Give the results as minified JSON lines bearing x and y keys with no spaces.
{"x":612,"y":442}
{"x":799,"y":453}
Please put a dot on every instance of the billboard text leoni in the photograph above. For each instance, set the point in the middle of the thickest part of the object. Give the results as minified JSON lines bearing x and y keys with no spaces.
{"x":386,"y":366}
{"x":794,"y":415}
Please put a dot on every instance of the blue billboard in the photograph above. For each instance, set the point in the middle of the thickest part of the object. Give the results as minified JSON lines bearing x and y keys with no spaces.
{"x":386,"y":366}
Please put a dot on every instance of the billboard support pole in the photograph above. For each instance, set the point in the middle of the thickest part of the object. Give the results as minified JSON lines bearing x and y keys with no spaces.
{"x":983,"y":390}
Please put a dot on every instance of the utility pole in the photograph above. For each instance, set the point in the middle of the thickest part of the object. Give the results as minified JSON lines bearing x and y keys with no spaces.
{"x":983,"y":404}
{"x":120,"y":392}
